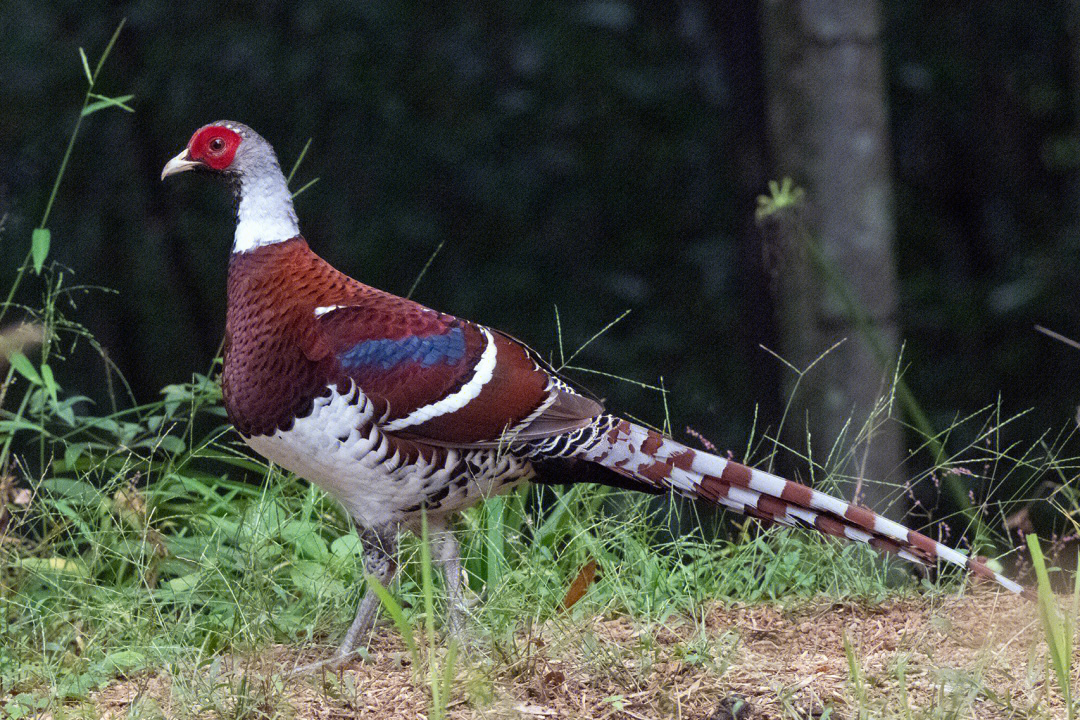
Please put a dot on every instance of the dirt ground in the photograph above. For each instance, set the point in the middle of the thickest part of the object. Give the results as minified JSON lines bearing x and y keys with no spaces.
{"x":979,"y":655}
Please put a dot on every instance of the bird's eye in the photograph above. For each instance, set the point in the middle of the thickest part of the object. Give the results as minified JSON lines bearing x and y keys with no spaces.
{"x":217,"y":145}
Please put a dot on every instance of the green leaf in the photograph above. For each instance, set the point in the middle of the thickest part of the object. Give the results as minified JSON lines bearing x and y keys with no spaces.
{"x":264,"y":521}
{"x":78,"y":685}
{"x":24,"y":367}
{"x":76,"y":490}
{"x":314,"y":579}
{"x":347,"y":545}
{"x":49,"y":381}
{"x":40,"y":240}
{"x":304,"y":536}
{"x":104,"y":102}
{"x":124,"y":661}
{"x":66,"y":414}
{"x":172,"y":444}
{"x":10,"y":426}
{"x":104,"y":424}
{"x":184,"y":584}
{"x":56,"y":564}
{"x":72,"y":453}
{"x":86,"y":67}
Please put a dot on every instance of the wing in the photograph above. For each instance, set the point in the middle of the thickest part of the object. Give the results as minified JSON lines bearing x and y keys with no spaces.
{"x":443,"y":380}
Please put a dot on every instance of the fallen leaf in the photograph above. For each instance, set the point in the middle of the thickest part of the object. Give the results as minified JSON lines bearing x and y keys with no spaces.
{"x":555,"y":677}
{"x":580,"y":586}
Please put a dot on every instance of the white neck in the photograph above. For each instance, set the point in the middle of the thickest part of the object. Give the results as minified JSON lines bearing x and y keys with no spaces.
{"x":265,"y":212}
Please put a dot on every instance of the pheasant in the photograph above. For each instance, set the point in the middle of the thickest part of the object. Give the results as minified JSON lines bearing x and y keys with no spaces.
{"x":395,"y":409}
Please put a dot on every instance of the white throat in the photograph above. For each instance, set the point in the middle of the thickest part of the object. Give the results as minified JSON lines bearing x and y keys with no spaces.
{"x":265,"y":212}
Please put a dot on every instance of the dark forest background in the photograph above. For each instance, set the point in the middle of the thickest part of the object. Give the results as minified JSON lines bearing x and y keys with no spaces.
{"x":594,"y":156}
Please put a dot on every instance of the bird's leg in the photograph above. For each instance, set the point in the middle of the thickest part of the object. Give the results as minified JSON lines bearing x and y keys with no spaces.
{"x":380,"y":560}
{"x":447,"y":553}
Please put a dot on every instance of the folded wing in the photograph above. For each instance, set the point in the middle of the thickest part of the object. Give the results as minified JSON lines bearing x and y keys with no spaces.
{"x":442,"y":380}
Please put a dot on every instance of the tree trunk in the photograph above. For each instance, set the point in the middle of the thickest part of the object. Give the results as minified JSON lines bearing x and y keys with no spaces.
{"x":829,"y":132}
{"x":738,"y":27}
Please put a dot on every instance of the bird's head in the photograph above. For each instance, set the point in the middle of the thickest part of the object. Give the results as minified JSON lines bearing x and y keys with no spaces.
{"x":213,"y":147}
{"x":234,"y":151}
{"x":224,"y":147}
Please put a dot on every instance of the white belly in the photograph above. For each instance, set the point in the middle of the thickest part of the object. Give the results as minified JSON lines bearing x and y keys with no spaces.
{"x":339,"y":448}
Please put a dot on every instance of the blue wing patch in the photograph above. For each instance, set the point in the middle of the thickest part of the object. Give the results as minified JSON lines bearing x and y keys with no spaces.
{"x":448,"y":347}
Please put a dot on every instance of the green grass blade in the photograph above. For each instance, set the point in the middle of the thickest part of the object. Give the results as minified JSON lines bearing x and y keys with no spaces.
{"x":393,"y":609}
{"x":305,"y":186}
{"x":299,"y":159}
{"x":855,"y":675}
{"x":448,"y":674}
{"x":427,"y":585}
{"x":1058,"y":641}
{"x":86,"y":67}
{"x":423,"y":270}
{"x":108,"y":48}
{"x":494,"y":546}
{"x":103,"y":102}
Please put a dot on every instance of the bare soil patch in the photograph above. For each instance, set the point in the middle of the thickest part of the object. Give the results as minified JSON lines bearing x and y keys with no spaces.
{"x":979,"y":655}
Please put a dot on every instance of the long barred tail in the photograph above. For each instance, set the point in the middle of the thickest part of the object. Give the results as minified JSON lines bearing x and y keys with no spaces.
{"x":662,"y":463}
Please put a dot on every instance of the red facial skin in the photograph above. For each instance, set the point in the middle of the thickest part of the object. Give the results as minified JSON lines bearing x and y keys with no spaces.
{"x":214,"y":146}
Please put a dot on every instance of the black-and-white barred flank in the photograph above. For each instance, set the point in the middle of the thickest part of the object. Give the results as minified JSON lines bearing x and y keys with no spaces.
{"x":570,"y":444}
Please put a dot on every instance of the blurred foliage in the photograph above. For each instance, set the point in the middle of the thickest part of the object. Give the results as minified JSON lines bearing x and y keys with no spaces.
{"x":570,"y":154}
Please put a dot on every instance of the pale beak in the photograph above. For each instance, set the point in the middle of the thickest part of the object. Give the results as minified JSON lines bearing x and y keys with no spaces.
{"x":179,"y":164}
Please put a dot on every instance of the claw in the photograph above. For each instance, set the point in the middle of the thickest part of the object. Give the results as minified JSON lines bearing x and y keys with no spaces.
{"x":334,"y":662}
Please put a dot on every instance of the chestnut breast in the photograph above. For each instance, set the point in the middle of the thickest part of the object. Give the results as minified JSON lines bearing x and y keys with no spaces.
{"x":271,"y":375}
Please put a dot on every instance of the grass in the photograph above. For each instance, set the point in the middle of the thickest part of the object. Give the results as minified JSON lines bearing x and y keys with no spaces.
{"x":1059,"y":627}
{"x":143,"y":550}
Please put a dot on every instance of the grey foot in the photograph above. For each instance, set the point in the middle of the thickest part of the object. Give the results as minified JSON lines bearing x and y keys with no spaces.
{"x":380,"y":560}
{"x":360,"y":629}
